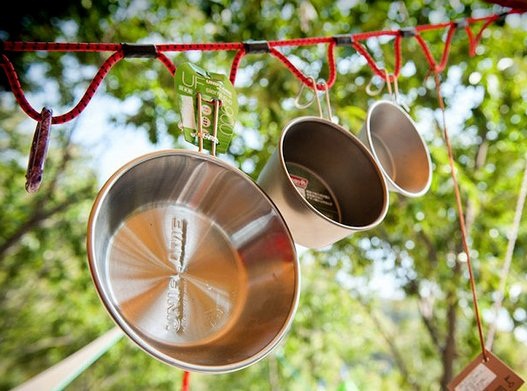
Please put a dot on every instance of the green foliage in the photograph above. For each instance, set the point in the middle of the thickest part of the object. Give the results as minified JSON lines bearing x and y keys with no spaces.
{"x":377,"y":308}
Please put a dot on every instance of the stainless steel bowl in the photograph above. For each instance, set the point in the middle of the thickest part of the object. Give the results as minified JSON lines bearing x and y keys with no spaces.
{"x":193,"y":261}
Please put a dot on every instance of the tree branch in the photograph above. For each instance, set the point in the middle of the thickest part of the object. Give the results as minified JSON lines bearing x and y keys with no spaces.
{"x":36,"y":220}
{"x":399,"y":361}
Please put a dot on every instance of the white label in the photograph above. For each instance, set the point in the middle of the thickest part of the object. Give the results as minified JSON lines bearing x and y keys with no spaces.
{"x":479,"y":378}
{"x":187,"y":112}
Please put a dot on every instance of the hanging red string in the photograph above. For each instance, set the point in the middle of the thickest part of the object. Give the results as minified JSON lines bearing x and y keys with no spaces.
{"x":461,"y":217}
{"x":158,"y":51}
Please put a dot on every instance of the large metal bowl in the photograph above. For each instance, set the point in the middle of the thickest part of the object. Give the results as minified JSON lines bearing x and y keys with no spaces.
{"x":193,"y":261}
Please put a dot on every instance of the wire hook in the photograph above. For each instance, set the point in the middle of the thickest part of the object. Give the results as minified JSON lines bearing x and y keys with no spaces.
{"x":300,"y":105}
{"x":317,"y":98}
{"x":369,"y":87}
{"x":328,"y":103}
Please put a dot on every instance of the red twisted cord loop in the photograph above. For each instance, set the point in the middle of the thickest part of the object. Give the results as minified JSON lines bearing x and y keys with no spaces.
{"x":167,"y":63}
{"x":331,"y":65}
{"x":301,"y":76}
{"x":426,"y":50}
{"x":434,"y":67}
{"x":473,"y":41}
{"x":118,"y":54}
{"x":16,"y":89}
{"x":446,"y":50}
{"x":18,"y":92}
{"x":92,"y":88}
{"x":371,"y":62}
{"x":235,"y":64}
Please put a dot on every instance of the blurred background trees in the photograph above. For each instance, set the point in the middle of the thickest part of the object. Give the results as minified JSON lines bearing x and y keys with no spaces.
{"x":387,"y":309}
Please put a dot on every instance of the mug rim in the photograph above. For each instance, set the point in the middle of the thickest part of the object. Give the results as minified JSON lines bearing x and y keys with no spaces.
{"x":364,"y":149}
{"x":389,"y":180}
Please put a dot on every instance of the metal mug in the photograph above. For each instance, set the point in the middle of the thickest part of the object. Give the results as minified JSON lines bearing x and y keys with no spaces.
{"x":325,"y":182}
{"x":392,"y":137}
{"x":193,"y":261}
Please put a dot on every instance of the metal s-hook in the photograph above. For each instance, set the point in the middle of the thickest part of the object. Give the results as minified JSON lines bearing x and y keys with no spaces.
{"x":369,"y":87}
{"x":300,"y":105}
{"x":396,"y":97}
{"x":388,"y":83}
{"x":314,"y":82}
{"x":315,"y":97}
{"x":328,"y":103}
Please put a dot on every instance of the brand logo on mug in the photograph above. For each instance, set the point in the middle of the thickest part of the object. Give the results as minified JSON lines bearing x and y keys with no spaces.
{"x":176,"y":256}
{"x":299,"y":181}
{"x":178,"y":237}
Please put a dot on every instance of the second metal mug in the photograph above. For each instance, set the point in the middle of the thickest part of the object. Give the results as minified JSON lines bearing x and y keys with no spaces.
{"x":325,"y":182}
{"x":392,"y":137}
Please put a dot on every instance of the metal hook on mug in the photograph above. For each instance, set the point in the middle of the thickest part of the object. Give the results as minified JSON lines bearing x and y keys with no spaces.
{"x":389,"y":84}
{"x":395,"y":96}
{"x":328,"y":103}
{"x":319,"y":105}
{"x":305,"y":105}
{"x":370,"y":91}
{"x":314,"y":82}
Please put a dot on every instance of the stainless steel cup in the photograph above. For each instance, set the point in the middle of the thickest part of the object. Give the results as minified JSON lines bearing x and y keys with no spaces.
{"x":325,"y":182}
{"x":193,"y":261}
{"x":392,"y":137}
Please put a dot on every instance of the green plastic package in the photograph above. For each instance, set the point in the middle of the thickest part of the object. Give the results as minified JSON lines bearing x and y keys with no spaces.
{"x":191,"y":80}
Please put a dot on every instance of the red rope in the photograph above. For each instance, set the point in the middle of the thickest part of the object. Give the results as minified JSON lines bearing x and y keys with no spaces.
{"x":235,"y":64}
{"x":372,"y":63}
{"x":356,"y":39}
{"x":461,"y":214}
{"x":301,"y":41}
{"x":16,"y":88}
{"x":184,"y":47}
{"x":16,"y":46}
{"x":92,"y":88}
{"x":167,"y":63}
{"x":474,"y":40}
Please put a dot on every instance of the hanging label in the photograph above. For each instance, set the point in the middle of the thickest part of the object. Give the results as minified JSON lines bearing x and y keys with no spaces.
{"x":314,"y":190}
{"x":481,"y":375}
{"x":190,"y":80}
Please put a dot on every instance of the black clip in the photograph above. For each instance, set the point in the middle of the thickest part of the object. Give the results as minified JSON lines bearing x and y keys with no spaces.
{"x":461,"y":23}
{"x":407,"y":32}
{"x":342,"y":39}
{"x":256,"y":47}
{"x":500,"y":21}
{"x":132,"y":50}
